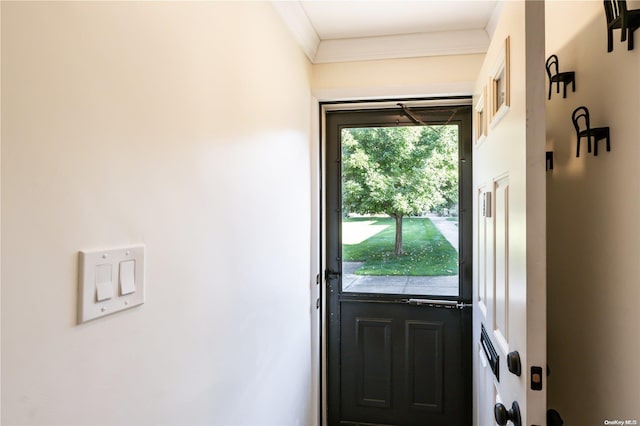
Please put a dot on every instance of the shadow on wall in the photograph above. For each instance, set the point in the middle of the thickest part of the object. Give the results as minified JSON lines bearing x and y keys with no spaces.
{"x":592,"y":247}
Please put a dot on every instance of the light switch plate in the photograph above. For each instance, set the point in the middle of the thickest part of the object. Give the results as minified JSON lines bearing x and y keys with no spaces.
{"x":95,"y":283}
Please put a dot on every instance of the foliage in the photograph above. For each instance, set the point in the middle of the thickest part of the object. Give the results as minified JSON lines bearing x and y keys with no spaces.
{"x":427,"y":251}
{"x":399,"y":171}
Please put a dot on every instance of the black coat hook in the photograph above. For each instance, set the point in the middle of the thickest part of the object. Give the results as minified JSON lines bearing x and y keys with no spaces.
{"x":559,"y":77}
{"x":581,"y":115}
{"x":619,"y":17}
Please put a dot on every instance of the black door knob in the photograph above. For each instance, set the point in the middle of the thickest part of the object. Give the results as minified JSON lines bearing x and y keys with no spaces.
{"x":503,"y":415}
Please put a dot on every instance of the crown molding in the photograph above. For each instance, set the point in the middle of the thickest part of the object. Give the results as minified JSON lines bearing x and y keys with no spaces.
{"x":373,"y":48}
{"x":296,"y":20}
{"x":402,"y":46}
{"x":495,"y":17}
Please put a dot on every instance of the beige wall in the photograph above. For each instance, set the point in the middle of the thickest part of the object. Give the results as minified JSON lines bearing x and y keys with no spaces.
{"x":414,"y":77}
{"x":183,"y":126}
{"x":593,"y":229}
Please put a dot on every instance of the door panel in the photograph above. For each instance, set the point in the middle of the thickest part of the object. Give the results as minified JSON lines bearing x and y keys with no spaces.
{"x":486,"y":391}
{"x":373,"y":361}
{"x":391,"y":361}
{"x":501,"y":249}
{"x":425,"y":358}
{"x":485,"y":255}
{"x":510,"y":214}
{"x":402,"y":365}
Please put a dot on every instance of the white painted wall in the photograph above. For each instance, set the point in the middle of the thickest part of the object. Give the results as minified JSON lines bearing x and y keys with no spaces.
{"x":592,"y":209}
{"x":186,"y":127}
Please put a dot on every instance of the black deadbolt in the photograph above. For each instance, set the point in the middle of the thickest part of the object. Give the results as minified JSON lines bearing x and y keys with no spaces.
{"x":513,"y":363}
{"x":503,"y":415}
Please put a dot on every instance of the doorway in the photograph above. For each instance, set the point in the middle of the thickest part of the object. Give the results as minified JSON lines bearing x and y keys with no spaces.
{"x":398,"y":204}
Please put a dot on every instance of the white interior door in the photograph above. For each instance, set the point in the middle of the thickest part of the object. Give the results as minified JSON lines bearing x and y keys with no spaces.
{"x":509,"y":324}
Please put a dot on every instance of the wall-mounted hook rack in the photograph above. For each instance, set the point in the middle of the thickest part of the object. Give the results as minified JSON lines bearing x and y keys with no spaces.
{"x":559,"y":77}
{"x":619,"y":17}
{"x":582,"y":114}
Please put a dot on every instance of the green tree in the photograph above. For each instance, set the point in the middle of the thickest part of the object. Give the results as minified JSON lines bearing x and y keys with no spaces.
{"x":399,"y":171}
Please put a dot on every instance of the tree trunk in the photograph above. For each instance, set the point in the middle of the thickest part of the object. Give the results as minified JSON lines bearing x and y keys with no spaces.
{"x":399,"y":250}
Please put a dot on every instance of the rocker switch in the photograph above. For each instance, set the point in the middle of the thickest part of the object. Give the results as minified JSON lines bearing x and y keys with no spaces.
{"x":104,"y":284}
{"x":127,"y":277}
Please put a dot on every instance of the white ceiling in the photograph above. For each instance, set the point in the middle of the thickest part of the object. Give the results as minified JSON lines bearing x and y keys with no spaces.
{"x":333,"y":31}
{"x":349,"y":19}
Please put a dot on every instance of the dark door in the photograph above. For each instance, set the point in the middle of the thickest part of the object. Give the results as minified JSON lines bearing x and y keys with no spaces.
{"x":398,"y":259}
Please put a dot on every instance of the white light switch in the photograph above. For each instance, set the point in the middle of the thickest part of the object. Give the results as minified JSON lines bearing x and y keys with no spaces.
{"x":127,"y":277}
{"x":104,"y":291}
{"x":100,"y":272}
{"x":104,"y":282}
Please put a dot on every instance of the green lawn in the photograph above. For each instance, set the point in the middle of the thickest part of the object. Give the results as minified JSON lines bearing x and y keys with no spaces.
{"x":427,"y":251}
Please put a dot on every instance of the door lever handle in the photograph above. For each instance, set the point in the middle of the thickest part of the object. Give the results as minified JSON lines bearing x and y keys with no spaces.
{"x":503,"y":415}
{"x":331,"y":275}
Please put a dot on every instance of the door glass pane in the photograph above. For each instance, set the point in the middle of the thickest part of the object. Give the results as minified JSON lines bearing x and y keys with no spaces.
{"x":400,"y":210}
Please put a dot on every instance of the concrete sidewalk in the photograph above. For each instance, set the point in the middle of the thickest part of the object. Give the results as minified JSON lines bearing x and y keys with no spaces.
{"x":448,"y":228}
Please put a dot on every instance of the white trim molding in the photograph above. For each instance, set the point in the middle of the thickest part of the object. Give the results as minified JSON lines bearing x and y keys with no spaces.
{"x":374,"y":48}
{"x":296,"y":20}
{"x":402,"y":46}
